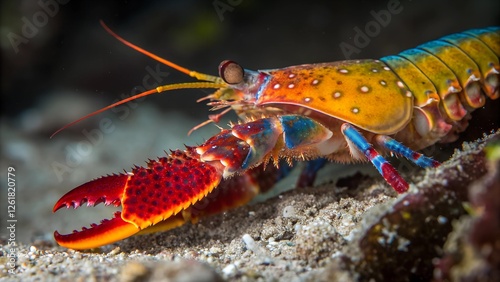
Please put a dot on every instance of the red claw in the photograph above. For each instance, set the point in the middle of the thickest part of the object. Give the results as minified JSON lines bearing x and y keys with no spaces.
{"x":109,"y":231}
{"x":148,"y":196}
{"x":107,"y":190}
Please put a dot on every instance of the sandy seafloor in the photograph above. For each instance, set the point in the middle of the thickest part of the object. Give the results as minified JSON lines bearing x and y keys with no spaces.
{"x":300,"y":235}
{"x":71,"y":67}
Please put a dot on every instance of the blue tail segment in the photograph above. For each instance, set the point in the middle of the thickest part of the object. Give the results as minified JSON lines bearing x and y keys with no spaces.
{"x":383,"y":166}
{"x":417,"y":158}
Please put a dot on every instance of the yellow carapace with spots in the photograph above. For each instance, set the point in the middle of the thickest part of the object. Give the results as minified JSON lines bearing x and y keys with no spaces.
{"x":346,"y":91}
{"x":342,"y":111}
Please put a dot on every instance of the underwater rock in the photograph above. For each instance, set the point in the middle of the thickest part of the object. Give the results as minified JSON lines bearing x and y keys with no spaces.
{"x":401,"y":241}
{"x":472,"y":253}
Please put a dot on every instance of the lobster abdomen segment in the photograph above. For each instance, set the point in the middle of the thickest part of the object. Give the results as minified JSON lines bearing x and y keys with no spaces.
{"x":464,"y":68}
{"x":442,"y":77}
{"x":446,"y":77}
{"x":482,"y":46}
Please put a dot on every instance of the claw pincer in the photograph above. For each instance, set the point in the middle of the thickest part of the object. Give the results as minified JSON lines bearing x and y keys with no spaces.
{"x":147,"y":196}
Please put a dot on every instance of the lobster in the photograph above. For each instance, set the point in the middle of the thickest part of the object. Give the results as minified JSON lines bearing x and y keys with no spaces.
{"x":313,"y":112}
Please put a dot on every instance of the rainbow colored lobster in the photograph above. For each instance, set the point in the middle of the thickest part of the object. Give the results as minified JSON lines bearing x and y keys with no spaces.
{"x":309,"y":112}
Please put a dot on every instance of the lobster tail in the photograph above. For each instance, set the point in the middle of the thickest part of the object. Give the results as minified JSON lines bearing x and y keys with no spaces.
{"x":446,"y":77}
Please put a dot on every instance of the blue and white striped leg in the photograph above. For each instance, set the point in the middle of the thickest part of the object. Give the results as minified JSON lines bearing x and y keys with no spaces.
{"x":389,"y":173}
{"x":396,"y":147}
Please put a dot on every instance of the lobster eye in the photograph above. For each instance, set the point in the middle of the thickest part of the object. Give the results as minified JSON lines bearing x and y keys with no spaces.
{"x":231,"y":72}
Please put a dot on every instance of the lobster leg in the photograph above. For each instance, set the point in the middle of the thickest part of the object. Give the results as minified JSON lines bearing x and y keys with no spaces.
{"x":415,"y":157}
{"x":389,"y":173}
{"x":308,"y":173}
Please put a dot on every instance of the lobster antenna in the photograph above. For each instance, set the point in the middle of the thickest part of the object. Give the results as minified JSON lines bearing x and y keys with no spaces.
{"x":197,"y":75}
{"x":210,"y":81}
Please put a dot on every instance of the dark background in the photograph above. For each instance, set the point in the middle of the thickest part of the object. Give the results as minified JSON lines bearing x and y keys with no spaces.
{"x":72,"y":51}
{"x":71,"y":67}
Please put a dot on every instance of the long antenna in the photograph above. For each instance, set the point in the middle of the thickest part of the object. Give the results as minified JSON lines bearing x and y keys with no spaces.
{"x":197,"y":75}
{"x":210,"y":81}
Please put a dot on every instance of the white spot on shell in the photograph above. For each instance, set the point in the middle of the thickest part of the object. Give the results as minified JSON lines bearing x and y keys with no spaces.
{"x":307,"y":99}
{"x":430,"y":101}
{"x":400,"y":84}
{"x":474,"y":78}
{"x":365,"y":89}
{"x":292,"y":75}
{"x":277,"y":86}
{"x":408,"y":94}
{"x":452,"y":89}
{"x":337,"y":94}
{"x":387,"y":68}
{"x":343,"y":71}
{"x":374,"y":70}
{"x":315,"y":82}
{"x":355,"y":110}
{"x":291,"y":85}
{"x":383,"y":82}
